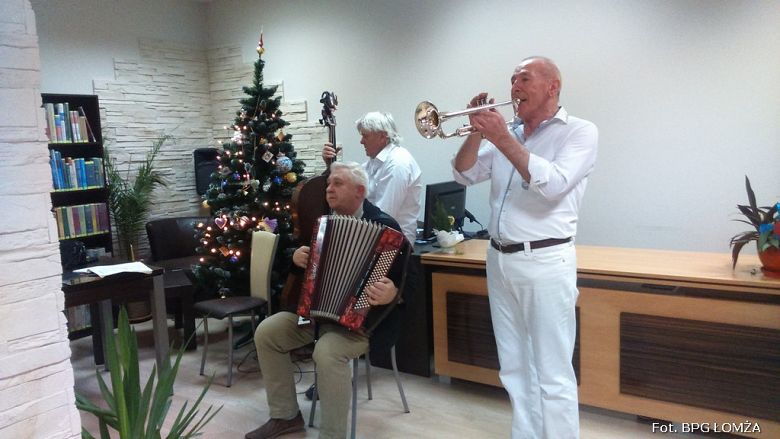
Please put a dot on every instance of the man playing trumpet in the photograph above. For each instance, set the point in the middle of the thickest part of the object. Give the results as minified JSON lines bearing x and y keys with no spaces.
{"x":538,"y":172}
{"x":394,"y":182}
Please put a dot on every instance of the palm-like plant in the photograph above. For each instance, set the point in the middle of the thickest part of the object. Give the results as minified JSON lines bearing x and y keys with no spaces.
{"x":136,"y":413}
{"x":764,"y":221}
{"x":130,"y":202}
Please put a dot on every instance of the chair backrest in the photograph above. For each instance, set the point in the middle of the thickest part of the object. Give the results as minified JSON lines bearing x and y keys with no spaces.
{"x":263,"y":252}
{"x":388,"y":331}
{"x":171,"y":238}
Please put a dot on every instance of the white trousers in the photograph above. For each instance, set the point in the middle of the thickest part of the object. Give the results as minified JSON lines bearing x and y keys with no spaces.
{"x":532,"y":297}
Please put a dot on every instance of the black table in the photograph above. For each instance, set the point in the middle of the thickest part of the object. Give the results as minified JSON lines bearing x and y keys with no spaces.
{"x":177,"y":281}
{"x":89,"y":289}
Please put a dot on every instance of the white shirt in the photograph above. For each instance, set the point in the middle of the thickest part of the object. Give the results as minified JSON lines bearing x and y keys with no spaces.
{"x":394,"y":186}
{"x":563,"y":153}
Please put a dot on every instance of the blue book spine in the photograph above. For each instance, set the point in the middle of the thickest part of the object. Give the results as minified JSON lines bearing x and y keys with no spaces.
{"x":90,"y":167}
{"x":60,"y":171}
{"x":66,"y":177}
{"x":82,"y":169}
{"x":101,"y":181}
{"x":53,"y":164}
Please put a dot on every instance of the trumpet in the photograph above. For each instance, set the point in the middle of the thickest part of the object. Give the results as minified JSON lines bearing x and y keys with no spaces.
{"x":428,"y":119}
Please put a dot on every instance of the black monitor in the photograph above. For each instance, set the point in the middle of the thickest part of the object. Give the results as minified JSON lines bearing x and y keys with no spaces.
{"x":452,"y":196}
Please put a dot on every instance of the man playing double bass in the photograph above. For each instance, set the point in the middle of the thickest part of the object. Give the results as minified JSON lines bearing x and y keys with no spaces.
{"x":279,"y":334}
{"x":394,"y":183}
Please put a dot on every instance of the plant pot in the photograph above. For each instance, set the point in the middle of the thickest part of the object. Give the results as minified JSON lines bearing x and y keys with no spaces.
{"x":448,"y":250}
{"x":138,"y":312}
{"x":770,"y":261}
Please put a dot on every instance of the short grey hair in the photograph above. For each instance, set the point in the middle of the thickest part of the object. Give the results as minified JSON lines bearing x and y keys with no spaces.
{"x":376,"y":121}
{"x":355,"y":172}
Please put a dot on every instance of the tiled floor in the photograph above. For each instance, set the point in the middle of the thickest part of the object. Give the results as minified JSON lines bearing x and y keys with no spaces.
{"x":438,"y":410}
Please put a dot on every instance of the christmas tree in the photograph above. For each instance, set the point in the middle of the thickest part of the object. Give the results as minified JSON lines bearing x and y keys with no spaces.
{"x":251,"y":190}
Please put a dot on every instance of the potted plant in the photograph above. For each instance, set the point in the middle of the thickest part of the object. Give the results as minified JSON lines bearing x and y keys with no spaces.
{"x":134,"y":412}
{"x":766,"y":233}
{"x":130,"y":201}
{"x":442,"y":227}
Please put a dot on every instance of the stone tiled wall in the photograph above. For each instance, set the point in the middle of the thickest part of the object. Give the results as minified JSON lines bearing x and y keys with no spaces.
{"x":164,"y":92}
{"x":36,"y":378}
{"x":192,"y":95}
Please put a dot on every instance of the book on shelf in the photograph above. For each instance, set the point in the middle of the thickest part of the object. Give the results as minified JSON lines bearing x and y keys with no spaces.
{"x":81,"y":220}
{"x":64,"y":125}
{"x":70,"y":173}
{"x":88,"y":134}
{"x":51,"y":125}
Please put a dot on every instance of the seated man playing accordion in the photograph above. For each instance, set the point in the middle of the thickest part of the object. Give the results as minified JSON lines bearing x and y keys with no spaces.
{"x":279,"y":334}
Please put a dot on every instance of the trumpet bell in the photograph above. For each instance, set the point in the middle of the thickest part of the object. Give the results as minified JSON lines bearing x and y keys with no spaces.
{"x":427,"y":121}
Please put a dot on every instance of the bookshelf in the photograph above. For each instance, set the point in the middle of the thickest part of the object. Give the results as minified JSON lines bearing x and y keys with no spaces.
{"x":79,"y":194}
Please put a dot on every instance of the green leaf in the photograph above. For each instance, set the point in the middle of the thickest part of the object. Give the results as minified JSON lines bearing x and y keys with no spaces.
{"x":130,"y":202}
{"x":115,"y":370}
{"x":104,"y":434}
{"x":763,"y":243}
{"x":133,"y":413}
{"x":85,"y":434}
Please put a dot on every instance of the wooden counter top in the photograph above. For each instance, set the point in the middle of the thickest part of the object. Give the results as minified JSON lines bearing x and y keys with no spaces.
{"x":614,"y":263}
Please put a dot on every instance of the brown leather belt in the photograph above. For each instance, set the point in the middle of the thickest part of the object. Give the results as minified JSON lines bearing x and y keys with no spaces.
{"x":542,"y":243}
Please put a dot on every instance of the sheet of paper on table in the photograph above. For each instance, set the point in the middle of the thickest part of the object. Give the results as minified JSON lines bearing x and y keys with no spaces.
{"x":107,"y":270}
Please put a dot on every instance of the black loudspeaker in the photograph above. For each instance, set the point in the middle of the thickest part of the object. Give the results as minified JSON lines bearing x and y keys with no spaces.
{"x":206,"y":162}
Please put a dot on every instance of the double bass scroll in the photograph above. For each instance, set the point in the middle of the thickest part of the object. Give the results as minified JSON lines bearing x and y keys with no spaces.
{"x":309,"y":204}
{"x":308,"y":200}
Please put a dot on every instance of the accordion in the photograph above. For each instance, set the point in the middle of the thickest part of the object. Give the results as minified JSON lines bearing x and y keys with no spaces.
{"x":347,"y":254}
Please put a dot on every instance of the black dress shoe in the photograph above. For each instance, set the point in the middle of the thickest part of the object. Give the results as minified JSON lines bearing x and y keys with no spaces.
{"x":310,"y":393}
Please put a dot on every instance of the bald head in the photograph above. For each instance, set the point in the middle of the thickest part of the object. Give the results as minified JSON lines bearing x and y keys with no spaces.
{"x":545,"y":67}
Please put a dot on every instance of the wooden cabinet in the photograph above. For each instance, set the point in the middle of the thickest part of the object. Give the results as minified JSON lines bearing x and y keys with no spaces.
{"x":670,"y":335}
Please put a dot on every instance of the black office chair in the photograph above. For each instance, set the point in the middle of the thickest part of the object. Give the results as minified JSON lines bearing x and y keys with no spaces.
{"x":174,"y":237}
{"x":172,"y":240}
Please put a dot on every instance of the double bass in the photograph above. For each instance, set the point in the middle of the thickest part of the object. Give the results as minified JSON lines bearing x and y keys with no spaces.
{"x":309,"y":204}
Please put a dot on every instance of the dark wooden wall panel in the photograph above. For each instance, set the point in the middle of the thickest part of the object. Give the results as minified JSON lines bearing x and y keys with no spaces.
{"x":470,"y":335}
{"x":716,"y":366}
{"x":469,"y":332}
